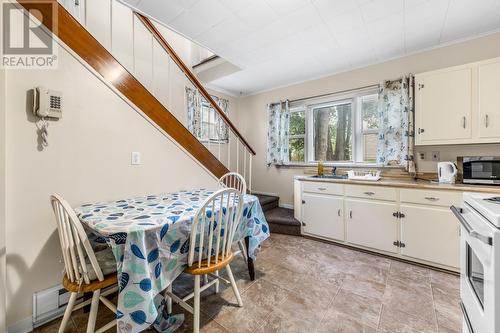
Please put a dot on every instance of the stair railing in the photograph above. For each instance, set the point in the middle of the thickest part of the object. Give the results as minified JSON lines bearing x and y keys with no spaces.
{"x":238,"y":153}
{"x":246,"y":149}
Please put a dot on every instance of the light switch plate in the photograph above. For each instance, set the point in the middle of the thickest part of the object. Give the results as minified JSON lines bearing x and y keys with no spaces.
{"x":136,"y":158}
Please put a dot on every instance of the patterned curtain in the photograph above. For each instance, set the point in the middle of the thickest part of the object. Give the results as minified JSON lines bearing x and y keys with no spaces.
{"x":221,"y":127}
{"x":396,"y":124}
{"x":277,"y":133}
{"x":194,"y":101}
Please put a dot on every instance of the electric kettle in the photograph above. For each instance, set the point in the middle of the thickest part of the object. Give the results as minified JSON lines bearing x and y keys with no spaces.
{"x":447,"y":172}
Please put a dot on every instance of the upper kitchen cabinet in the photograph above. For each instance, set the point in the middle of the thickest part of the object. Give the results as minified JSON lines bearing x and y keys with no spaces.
{"x":458,"y":105}
{"x":489,"y":108}
{"x":443,"y":106}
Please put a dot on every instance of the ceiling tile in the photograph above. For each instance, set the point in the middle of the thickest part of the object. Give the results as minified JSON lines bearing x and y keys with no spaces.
{"x":347,"y":21}
{"x":200,"y":17}
{"x":464,"y":18}
{"x":284,"y":7}
{"x":333,"y":8}
{"x":377,"y":9}
{"x":278,"y":42}
{"x":257,"y":14}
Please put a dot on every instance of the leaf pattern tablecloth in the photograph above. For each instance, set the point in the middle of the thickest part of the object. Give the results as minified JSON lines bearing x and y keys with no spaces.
{"x":149,"y":238}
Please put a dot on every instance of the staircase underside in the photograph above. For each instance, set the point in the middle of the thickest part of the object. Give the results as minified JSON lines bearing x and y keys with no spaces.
{"x":280,"y":220}
{"x":77,"y":38}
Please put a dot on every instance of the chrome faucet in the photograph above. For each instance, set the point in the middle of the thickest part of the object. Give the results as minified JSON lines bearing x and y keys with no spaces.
{"x":334,"y":170}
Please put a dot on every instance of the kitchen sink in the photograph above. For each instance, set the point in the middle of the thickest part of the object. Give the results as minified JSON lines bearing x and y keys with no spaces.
{"x":331,"y":176}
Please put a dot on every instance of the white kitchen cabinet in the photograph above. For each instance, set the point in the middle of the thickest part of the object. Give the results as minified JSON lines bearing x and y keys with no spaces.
{"x":323,"y":215}
{"x":443,"y":106}
{"x":430,"y":234}
{"x":489,"y":108}
{"x":370,"y":223}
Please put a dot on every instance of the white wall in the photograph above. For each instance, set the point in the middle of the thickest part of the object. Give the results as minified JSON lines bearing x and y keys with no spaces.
{"x":2,"y":201}
{"x":88,"y":159}
{"x":253,"y":116}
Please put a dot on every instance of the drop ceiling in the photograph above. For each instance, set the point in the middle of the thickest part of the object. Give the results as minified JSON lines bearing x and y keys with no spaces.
{"x":279,"y":42}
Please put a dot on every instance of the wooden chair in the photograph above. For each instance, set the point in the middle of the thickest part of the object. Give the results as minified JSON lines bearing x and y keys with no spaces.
{"x":83,"y":271}
{"x":212,"y":233}
{"x":236,"y":181}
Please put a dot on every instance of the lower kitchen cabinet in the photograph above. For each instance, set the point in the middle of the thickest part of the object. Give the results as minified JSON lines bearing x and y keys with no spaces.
{"x":323,"y":216}
{"x":430,"y":234}
{"x":371,"y":223}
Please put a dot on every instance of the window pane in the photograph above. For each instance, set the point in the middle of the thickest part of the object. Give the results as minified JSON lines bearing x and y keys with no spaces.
{"x":298,"y":123}
{"x":333,"y":133}
{"x":370,"y":147}
{"x":296,"y":150}
{"x":369,"y":105}
{"x":205,"y":113}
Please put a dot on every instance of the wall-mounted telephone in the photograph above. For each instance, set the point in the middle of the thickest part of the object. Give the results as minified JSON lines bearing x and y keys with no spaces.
{"x":47,"y":103}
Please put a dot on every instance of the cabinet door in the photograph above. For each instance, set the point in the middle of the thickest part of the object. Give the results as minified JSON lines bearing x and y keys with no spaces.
{"x":430,"y":233}
{"x":489,"y":108}
{"x":370,"y":223}
{"x":323,"y":215}
{"x":443,"y":106}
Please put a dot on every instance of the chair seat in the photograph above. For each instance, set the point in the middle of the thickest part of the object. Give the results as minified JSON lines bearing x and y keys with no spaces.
{"x":203,"y":269}
{"x":94,"y":285}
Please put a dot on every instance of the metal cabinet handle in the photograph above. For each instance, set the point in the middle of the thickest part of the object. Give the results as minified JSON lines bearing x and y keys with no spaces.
{"x":338,"y":212}
{"x":473,"y":233}
{"x":350,"y":214}
{"x":486,"y":121}
{"x":420,"y":130}
{"x":431,"y":198}
{"x":369,"y":193}
{"x":322,"y":188}
{"x":464,"y":122}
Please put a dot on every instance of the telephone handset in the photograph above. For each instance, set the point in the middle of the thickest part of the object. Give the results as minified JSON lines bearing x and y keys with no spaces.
{"x":47,"y":103}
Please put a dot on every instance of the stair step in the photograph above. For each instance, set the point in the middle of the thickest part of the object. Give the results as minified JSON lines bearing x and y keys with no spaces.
{"x":268,"y":202}
{"x":283,"y":216}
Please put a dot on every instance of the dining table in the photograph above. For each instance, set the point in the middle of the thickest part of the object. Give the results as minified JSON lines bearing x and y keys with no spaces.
{"x":149,"y":237}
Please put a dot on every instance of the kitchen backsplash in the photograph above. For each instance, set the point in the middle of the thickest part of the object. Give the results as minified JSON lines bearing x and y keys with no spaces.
{"x":450,"y":153}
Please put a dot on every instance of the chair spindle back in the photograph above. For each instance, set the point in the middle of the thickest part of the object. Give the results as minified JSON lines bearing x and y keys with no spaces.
{"x":75,"y":244}
{"x":233,"y":180}
{"x":219,"y":215}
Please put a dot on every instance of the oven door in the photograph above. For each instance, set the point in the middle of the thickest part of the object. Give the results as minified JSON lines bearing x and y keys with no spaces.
{"x":477,"y":271}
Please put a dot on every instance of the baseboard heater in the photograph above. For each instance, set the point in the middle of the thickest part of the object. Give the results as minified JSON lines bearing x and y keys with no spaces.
{"x":50,"y":304}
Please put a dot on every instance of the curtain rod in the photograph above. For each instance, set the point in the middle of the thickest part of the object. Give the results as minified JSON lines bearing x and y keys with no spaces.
{"x":327,"y":94}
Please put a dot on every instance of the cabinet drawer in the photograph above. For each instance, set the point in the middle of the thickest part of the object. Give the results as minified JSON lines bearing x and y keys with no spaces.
{"x":371,"y":192}
{"x":434,"y":198}
{"x":323,"y":187}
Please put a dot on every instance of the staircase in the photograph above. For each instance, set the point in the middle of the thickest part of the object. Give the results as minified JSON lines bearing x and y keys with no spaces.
{"x":280,"y":220}
{"x":131,"y":54}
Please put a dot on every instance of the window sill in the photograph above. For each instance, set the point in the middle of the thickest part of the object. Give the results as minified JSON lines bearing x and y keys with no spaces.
{"x":339,"y":165}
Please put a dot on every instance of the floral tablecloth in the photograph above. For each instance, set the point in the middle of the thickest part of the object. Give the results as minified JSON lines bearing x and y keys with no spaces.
{"x":149,"y":238}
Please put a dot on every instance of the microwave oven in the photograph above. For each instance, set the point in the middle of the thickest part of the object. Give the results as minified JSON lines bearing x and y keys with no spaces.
{"x":480,"y":169}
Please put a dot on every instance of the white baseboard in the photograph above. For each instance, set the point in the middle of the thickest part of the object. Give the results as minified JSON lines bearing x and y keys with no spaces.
{"x":22,"y":326}
{"x":287,"y":206}
{"x":265,"y":193}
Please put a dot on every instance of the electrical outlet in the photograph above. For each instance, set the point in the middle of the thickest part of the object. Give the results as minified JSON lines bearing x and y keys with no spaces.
{"x":421,"y":156}
{"x":435,"y":156}
{"x":136,"y":158}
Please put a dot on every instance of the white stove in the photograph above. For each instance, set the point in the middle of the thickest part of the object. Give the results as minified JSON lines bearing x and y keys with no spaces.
{"x":480,"y":262}
{"x":487,"y":205}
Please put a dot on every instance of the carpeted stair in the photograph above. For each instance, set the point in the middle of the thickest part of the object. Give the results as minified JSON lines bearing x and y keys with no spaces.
{"x":280,"y":220}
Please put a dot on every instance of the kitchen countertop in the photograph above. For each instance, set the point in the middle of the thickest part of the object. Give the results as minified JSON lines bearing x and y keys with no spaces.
{"x":407,"y":183}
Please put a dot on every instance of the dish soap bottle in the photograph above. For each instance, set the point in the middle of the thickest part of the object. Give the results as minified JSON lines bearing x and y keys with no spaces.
{"x":320,"y":168}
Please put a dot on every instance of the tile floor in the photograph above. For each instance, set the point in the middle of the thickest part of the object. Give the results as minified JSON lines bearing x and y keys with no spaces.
{"x":303,"y":285}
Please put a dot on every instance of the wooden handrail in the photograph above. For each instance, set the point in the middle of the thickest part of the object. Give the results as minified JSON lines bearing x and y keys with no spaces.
{"x":194,"y":80}
{"x":77,"y":38}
